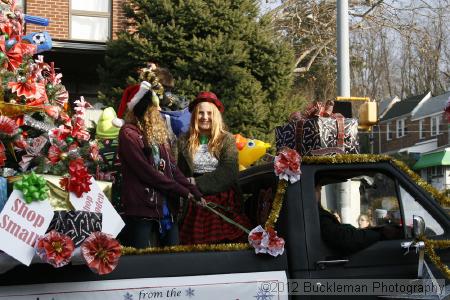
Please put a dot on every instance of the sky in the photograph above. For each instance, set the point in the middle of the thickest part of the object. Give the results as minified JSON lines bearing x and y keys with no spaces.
{"x":269,"y":4}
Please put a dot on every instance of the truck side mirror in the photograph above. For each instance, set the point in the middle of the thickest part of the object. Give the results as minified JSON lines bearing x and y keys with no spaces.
{"x":418,"y":226}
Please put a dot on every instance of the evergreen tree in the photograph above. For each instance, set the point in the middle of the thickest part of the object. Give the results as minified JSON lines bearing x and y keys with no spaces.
{"x":217,"y":45}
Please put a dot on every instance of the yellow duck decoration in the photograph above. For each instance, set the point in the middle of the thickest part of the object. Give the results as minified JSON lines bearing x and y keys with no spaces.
{"x":105,"y":129}
{"x":250,"y":150}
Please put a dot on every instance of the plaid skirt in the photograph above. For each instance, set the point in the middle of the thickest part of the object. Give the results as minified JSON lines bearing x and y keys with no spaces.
{"x":201,"y":226}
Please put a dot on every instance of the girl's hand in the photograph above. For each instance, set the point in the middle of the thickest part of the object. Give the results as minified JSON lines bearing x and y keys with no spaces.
{"x":202,"y":202}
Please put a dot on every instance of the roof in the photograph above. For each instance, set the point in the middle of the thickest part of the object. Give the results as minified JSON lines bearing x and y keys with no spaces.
{"x":385,"y":105}
{"x":403,"y":107}
{"x":439,"y":158}
{"x":430,"y":106}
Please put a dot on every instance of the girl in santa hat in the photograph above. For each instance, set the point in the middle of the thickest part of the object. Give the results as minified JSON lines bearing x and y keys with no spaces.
{"x":152,"y":183}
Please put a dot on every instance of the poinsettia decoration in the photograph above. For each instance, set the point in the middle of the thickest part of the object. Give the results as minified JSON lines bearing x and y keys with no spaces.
{"x":275,"y":245}
{"x":287,"y":165}
{"x":14,"y":54}
{"x":266,"y":241}
{"x":257,"y":239}
{"x":55,"y":248}
{"x":8,"y":126}
{"x":101,"y":252}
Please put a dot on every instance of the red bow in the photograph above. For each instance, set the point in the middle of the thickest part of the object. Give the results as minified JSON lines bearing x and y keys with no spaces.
{"x":78,"y":181}
{"x":318,"y":109}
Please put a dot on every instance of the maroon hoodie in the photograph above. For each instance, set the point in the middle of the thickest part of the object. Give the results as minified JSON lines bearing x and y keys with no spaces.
{"x":143,"y":185}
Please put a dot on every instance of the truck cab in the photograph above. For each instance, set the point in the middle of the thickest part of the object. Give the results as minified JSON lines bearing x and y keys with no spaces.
{"x":379,"y":189}
{"x":352,"y":185}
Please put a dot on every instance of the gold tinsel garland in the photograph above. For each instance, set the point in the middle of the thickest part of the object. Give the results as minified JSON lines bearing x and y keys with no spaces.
{"x":374,"y":158}
{"x":430,"y":246}
{"x":186,"y":248}
{"x":440,"y":197}
{"x":345,"y":159}
{"x":271,"y":221}
{"x":277,"y":204}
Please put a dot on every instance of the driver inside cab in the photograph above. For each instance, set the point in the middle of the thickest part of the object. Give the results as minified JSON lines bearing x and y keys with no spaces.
{"x":347,"y":239}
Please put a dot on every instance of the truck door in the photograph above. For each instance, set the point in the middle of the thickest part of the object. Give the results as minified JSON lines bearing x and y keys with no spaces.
{"x":374,"y":195}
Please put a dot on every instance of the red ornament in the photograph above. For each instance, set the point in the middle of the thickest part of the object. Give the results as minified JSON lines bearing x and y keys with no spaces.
{"x":101,"y":252}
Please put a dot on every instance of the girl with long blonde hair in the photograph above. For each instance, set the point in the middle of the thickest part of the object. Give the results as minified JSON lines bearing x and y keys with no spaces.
{"x":209,"y":157}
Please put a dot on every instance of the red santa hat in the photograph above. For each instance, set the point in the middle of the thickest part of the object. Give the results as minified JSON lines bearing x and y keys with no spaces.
{"x":130,"y":97}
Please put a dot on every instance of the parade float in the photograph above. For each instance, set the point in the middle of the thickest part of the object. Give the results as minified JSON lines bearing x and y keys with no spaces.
{"x":54,"y":194}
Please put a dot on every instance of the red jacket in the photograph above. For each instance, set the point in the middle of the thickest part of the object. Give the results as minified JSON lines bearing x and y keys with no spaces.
{"x":143,"y":185}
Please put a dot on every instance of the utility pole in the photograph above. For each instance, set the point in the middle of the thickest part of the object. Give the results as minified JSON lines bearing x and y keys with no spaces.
{"x":343,"y":61}
{"x":346,"y":191}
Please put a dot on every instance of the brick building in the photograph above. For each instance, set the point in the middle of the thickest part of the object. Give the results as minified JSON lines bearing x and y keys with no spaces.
{"x":417,"y":126}
{"x":434,"y":165}
{"x":79,"y":30}
{"x":397,"y":132}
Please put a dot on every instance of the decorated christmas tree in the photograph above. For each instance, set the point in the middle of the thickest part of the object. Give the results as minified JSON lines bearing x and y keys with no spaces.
{"x":40,"y":133}
{"x":38,"y":129}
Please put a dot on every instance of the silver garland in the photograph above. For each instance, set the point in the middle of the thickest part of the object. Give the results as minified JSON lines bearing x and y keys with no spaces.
{"x":7,"y":172}
{"x":42,"y":126}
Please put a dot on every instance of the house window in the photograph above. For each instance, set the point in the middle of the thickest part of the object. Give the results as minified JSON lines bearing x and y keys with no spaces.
{"x":90,"y":20}
{"x":435,"y":121}
{"x":388,"y":132}
{"x":421,"y":133}
{"x":401,"y":129}
{"x":435,"y":171}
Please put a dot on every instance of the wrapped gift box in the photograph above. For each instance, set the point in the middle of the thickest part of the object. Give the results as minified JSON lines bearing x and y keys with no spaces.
{"x":285,"y":136}
{"x":327,"y":135}
{"x":319,"y":136}
{"x":78,"y":225}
